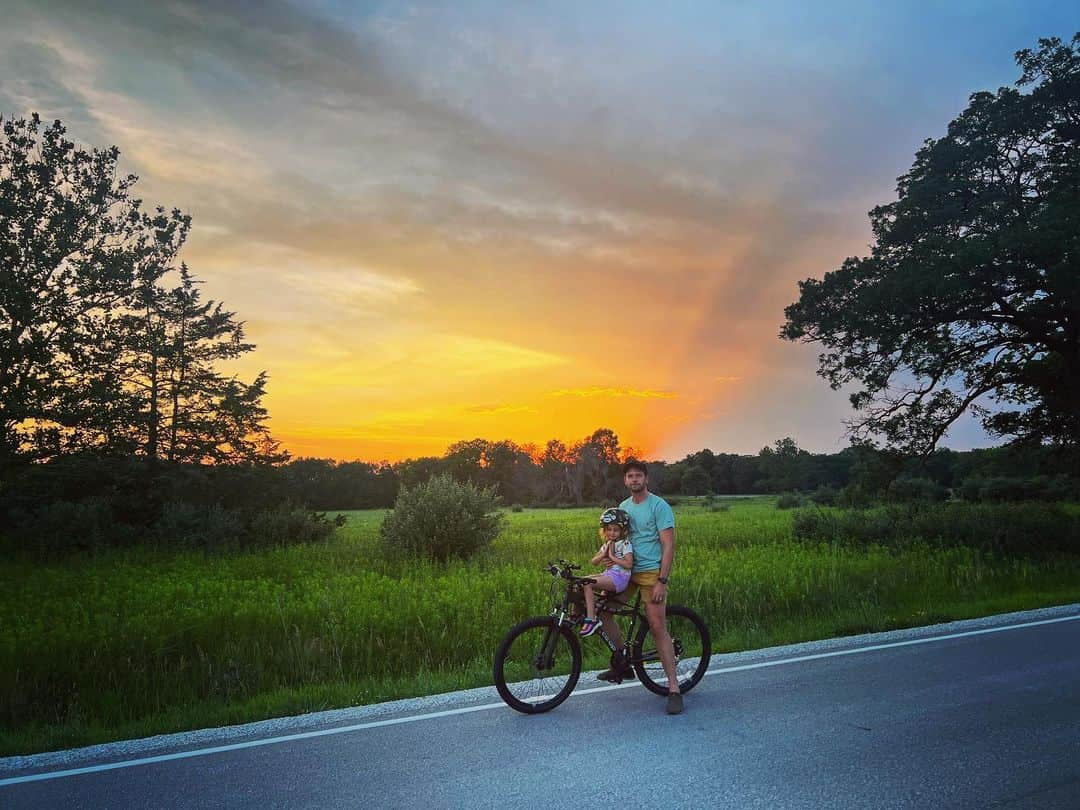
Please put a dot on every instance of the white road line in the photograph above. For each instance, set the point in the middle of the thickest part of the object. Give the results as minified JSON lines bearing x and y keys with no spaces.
{"x":874,"y":647}
{"x":219,"y":749}
{"x":130,"y":763}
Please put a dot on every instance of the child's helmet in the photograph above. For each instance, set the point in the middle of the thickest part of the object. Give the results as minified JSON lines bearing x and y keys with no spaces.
{"x":620,"y":517}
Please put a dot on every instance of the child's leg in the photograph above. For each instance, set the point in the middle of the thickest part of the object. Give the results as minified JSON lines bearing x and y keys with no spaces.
{"x":603,"y":582}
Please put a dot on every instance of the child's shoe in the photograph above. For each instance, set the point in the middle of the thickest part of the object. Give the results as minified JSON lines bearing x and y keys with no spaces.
{"x":589,"y":626}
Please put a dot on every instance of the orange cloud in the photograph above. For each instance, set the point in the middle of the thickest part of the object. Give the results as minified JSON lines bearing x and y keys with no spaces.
{"x":497,"y":410}
{"x":600,"y":391}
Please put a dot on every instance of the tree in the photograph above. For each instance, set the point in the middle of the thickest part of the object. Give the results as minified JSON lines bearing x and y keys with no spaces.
{"x":413,"y":471}
{"x":696,"y":481}
{"x":72,"y":241}
{"x":784,"y":466}
{"x":502,"y":465}
{"x":96,"y":352}
{"x":556,"y":473}
{"x":180,"y":407}
{"x":970,"y":299}
{"x":597,"y":475}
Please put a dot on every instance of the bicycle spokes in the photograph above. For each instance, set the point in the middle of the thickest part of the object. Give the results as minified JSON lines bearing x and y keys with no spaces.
{"x":537,"y":665}
{"x":690,"y":646}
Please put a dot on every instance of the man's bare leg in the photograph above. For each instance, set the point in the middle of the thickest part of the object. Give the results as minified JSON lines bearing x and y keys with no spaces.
{"x":657,"y":615}
{"x":611,"y":627}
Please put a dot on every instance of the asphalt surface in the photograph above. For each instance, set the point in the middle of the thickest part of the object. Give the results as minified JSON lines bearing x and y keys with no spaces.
{"x":931,"y":718}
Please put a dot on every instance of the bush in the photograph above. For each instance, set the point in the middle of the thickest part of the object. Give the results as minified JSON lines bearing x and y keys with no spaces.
{"x":855,"y":497}
{"x":290,"y":524}
{"x":1012,"y":529}
{"x":64,"y":527}
{"x":825,"y":495}
{"x":906,"y":490}
{"x":789,"y":500}
{"x":440,"y":519}
{"x":194,"y":526}
{"x":87,"y":503}
{"x":1012,"y":488}
{"x":215,"y":528}
{"x":1002,"y":488}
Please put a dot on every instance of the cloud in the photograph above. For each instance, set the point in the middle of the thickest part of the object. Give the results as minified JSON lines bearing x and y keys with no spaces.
{"x":496,"y":203}
{"x":500,"y":410}
{"x":601,"y":391}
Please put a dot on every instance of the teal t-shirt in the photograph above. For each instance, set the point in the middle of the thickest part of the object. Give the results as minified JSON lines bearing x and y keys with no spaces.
{"x":647,"y":520}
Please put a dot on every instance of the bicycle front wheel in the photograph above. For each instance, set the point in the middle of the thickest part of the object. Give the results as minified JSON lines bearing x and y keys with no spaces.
{"x":537,"y":665}
{"x":693,"y":648}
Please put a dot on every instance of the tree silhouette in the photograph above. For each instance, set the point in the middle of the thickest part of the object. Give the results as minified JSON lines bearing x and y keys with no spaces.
{"x":971,"y":294}
{"x":72,"y":240}
{"x":96,"y":351}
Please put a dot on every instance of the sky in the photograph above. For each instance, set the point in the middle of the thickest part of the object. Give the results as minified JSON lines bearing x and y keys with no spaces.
{"x":525,"y":221}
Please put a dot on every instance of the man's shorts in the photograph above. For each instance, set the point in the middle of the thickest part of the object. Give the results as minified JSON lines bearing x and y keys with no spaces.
{"x":645,"y":580}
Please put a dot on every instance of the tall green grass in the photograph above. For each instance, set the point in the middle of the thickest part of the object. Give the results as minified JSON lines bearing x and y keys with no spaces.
{"x":128,"y":643}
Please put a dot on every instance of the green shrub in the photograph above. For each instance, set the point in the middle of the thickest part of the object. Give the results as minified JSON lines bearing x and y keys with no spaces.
{"x":517,"y":507}
{"x":1012,"y":529}
{"x":855,"y":497}
{"x":440,"y":519}
{"x":906,"y":490}
{"x":825,"y":495}
{"x":1004,"y":488}
{"x":290,"y":524}
{"x":68,"y":526}
{"x":1012,"y":488}
{"x":789,"y":500}
{"x":210,"y":527}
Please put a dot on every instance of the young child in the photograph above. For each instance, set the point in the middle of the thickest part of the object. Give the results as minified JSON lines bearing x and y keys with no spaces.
{"x":617,"y":557}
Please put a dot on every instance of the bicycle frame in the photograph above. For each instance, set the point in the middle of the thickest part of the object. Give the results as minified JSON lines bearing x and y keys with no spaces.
{"x":563,"y":613}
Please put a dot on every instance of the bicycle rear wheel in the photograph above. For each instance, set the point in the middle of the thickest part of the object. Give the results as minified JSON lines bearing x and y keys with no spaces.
{"x":537,"y":665}
{"x":693,"y":648}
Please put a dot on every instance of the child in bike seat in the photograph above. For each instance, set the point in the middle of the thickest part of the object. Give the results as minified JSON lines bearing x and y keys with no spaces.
{"x":617,"y":557}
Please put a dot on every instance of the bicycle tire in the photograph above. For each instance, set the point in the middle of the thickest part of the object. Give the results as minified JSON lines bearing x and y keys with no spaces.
{"x":525,"y":682}
{"x":693,"y":648}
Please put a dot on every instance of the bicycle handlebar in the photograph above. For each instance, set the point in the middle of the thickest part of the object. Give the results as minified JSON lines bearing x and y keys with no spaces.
{"x":562,"y":568}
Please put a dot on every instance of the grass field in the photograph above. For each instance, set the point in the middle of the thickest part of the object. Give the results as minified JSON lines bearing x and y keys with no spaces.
{"x":126,"y":644}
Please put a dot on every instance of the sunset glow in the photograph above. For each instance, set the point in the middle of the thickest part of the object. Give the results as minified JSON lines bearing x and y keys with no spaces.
{"x":518,"y":221}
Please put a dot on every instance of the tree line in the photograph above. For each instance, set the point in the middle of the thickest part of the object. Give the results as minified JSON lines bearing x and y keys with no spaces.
{"x":589,"y":472}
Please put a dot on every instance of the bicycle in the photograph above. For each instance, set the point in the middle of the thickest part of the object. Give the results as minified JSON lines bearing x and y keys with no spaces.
{"x":538,"y":663}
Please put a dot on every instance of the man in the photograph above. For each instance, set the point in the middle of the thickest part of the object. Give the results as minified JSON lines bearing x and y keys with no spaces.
{"x":652,"y":534}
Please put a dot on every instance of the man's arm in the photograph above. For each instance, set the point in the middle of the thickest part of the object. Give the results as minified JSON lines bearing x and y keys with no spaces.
{"x":667,"y":560}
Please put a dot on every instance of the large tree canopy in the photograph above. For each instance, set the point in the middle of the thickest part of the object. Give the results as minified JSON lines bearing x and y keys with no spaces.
{"x":970,"y":299}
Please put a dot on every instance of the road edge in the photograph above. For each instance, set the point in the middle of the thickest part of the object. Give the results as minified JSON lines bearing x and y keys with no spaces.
{"x":146,"y":746}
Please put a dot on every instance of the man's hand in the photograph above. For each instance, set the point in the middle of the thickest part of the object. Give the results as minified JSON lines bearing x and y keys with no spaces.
{"x":659,"y":592}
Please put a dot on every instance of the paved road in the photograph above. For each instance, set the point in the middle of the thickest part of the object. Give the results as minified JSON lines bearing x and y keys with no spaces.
{"x":984,"y":720}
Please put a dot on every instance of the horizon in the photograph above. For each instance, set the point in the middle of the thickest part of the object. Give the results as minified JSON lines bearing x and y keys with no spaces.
{"x":442,"y":223}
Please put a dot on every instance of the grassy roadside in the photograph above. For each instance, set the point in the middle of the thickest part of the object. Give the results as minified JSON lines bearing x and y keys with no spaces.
{"x":130,"y":644}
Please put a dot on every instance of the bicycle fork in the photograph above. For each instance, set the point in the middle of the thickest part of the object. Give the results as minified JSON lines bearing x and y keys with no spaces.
{"x":545,"y":658}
